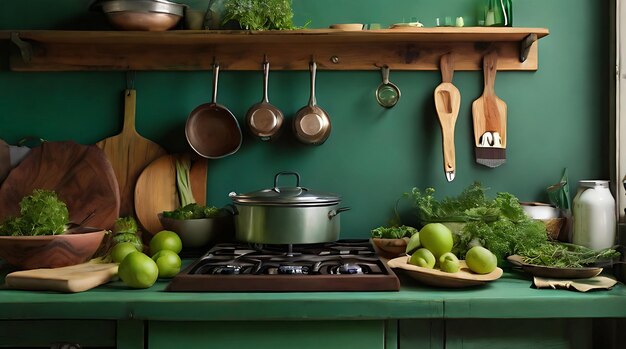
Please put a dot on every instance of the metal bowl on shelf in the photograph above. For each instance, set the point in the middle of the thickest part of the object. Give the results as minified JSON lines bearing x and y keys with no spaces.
{"x":142,"y":15}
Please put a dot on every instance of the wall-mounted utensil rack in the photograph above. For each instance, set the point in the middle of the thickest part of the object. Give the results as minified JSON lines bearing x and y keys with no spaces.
{"x":400,"y":49}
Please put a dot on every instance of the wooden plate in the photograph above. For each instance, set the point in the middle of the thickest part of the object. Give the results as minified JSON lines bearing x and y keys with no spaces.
{"x":554,"y":272}
{"x":433,"y":277}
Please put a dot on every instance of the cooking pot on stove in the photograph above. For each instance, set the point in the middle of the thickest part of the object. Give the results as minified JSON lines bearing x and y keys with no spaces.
{"x":286,"y":215}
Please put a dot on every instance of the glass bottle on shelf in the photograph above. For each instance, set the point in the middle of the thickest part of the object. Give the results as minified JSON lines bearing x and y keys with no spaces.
{"x":498,"y":13}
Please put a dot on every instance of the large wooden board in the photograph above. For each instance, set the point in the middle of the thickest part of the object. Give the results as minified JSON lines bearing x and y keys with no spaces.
{"x":75,"y":278}
{"x":129,"y":153}
{"x":81,"y":175}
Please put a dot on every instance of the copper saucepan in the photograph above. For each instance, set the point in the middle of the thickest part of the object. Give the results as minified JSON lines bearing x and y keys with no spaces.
{"x":212,"y":130}
{"x":311,"y":123}
{"x":263,"y":119}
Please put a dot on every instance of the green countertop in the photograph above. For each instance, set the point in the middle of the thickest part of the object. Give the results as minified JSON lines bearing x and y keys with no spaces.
{"x":509,"y":297}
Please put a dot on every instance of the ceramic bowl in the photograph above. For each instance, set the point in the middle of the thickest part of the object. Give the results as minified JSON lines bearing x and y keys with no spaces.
{"x":203,"y":232}
{"x":51,"y":251}
{"x":539,"y":210}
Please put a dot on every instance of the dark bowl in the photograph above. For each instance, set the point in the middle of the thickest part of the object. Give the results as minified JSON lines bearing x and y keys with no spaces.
{"x":51,"y":251}
{"x":202,"y":232}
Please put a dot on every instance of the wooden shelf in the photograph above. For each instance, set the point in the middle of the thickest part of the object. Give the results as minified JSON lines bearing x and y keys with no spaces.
{"x":400,"y":49}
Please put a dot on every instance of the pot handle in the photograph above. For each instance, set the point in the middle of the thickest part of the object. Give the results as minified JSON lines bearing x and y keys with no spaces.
{"x":286,"y":173}
{"x":333,"y":213}
{"x":232,"y":209}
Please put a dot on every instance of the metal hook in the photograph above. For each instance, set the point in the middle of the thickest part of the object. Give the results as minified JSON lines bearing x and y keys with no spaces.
{"x":130,"y":80}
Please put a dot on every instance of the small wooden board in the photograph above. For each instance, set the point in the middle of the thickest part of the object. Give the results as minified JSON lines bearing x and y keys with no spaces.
{"x":75,"y":278}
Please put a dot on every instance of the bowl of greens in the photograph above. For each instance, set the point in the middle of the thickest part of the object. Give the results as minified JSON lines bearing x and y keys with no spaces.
{"x":199,"y":226}
{"x":41,"y":237}
{"x":391,"y":242}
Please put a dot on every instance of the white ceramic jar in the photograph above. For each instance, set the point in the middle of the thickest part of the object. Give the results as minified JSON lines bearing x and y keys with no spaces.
{"x":594,"y":215}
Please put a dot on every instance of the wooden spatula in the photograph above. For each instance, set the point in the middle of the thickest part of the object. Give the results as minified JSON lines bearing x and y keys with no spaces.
{"x":447,"y":103}
{"x":489,"y":115}
{"x":129,"y":153}
{"x":75,"y":278}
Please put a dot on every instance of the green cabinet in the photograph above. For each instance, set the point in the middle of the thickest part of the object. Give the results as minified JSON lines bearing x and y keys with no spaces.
{"x":48,"y":333}
{"x":362,"y":334}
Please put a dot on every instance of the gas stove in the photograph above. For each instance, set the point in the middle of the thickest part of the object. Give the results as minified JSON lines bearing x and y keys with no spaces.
{"x":344,"y":265}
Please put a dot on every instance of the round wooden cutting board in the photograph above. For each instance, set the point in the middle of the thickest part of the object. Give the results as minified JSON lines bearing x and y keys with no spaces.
{"x":156,"y":192}
{"x":81,"y":176}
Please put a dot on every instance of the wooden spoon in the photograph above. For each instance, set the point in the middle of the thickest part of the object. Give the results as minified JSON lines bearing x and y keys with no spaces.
{"x":447,"y":103}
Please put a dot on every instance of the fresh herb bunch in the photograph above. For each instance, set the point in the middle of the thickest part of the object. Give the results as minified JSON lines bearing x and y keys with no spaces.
{"x":500,"y":225}
{"x":565,"y":255}
{"x":41,"y":213}
{"x":260,"y":15}
{"x":193,"y":211}
{"x":397,"y":232}
{"x":125,"y":225}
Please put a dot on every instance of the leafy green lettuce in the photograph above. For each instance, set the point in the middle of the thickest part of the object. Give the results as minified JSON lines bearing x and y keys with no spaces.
{"x":41,"y":213}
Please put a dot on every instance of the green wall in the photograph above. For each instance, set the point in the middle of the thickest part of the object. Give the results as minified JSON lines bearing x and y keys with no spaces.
{"x":557,"y":116}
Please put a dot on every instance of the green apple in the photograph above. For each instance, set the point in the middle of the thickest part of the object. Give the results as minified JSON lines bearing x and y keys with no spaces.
{"x":437,"y":238}
{"x":423,"y":258}
{"x":413,"y":244}
{"x":449,"y":263}
{"x":480,"y":260}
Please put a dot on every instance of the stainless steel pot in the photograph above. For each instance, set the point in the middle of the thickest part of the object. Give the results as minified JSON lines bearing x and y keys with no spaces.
{"x":286,"y":215}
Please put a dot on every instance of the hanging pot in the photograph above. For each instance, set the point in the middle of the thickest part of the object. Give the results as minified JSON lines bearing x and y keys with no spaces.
{"x":286,"y":215}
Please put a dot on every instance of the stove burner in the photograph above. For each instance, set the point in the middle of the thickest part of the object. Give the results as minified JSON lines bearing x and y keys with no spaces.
{"x":293,"y":269}
{"x":227,"y":270}
{"x":349,"y":268}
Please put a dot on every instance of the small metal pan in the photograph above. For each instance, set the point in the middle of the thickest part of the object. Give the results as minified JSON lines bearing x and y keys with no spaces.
{"x":387,"y":94}
{"x":311,"y":123}
{"x":212,"y":130}
{"x":263,"y":119}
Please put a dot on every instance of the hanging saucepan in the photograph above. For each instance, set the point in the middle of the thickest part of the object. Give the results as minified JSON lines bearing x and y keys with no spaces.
{"x":286,"y":215}
{"x":212,"y":130}
{"x":263,"y":119}
{"x":311,"y":123}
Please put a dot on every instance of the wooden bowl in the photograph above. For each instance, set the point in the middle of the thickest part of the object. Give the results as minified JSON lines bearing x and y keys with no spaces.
{"x":390,"y":248}
{"x":434,"y":277}
{"x":51,"y":251}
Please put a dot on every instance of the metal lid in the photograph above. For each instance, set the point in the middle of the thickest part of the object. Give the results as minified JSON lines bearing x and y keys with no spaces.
{"x":586,"y":183}
{"x":286,"y":196}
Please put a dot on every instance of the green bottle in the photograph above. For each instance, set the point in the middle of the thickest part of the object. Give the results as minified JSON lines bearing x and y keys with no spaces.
{"x":508,"y":11}
{"x":498,"y":13}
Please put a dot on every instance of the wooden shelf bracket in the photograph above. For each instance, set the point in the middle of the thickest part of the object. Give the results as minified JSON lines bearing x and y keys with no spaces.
{"x":26,"y":49}
{"x":525,"y":46}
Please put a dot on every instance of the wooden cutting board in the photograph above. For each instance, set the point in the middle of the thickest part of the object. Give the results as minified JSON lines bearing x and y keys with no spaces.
{"x":129,"y":154}
{"x":75,"y":278}
{"x":81,"y":176}
{"x":156,"y":192}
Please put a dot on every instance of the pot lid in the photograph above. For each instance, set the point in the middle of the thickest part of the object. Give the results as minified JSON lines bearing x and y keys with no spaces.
{"x":286,"y":196}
